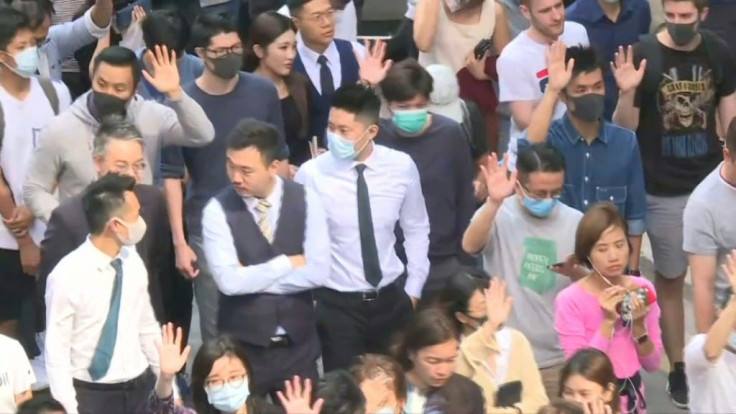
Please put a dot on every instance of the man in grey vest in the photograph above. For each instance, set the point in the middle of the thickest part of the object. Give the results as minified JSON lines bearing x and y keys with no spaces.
{"x":267,"y":245}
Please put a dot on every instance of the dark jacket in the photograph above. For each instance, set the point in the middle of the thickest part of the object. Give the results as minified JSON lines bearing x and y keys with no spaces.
{"x":67,"y":229}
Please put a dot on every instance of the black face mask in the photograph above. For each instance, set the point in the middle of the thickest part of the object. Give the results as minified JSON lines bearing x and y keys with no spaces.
{"x":107,"y":105}
{"x":588,"y":107}
{"x":478,"y":321}
{"x":682,"y":33}
{"x":228,"y":66}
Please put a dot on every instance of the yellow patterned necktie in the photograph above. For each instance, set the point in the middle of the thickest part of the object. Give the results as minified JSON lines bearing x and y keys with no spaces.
{"x":263,"y":222}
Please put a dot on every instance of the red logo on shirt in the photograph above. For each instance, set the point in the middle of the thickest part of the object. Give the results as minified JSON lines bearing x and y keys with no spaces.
{"x":543,"y":77}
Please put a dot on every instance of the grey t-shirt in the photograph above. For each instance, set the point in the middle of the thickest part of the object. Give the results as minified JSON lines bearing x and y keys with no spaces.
{"x":519,"y":249}
{"x":709,"y":225}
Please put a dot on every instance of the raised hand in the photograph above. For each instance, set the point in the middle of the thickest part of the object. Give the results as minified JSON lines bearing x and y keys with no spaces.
{"x":628,"y":77}
{"x":559,"y":70}
{"x":596,"y":407}
{"x":139,"y":13}
{"x":165,"y":76}
{"x":373,"y":67}
{"x":297,"y":399}
{"x":499,"y":183}
{"x":171,"y":356}
{"x":498,"y":305}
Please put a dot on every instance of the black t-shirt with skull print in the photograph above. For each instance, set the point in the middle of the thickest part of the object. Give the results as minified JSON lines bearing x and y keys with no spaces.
{"x":677,"y":122}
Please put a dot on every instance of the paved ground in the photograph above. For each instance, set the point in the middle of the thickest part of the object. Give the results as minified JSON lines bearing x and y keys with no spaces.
{"x":657,"y":399}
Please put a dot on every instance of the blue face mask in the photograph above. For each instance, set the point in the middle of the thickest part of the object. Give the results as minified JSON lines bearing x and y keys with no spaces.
{"x":341,"y":148}
{"x":26,"y":62}
{"x":540,"y":208}
{"x":411,"y":121}
{"x":229,"y":399}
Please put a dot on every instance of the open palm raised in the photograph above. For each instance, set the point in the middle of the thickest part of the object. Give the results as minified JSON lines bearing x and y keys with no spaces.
{"x":373,"y":66}
{"x":499,"y":182}
{"x":627,"y":76}
{"x":165,"y":76}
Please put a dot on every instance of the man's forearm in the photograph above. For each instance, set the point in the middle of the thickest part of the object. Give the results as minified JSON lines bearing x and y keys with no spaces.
{"x":542,"y":117}
{"x":101,"y":13}
{"x":175,"y":206}
{"x":635,"y":255}
{"x":476,"y":235}
{"x":193,"y":128}
{"x":626,"y":114}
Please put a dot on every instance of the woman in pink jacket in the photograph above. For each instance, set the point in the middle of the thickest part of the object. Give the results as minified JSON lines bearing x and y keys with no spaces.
{"x":609,"y":310}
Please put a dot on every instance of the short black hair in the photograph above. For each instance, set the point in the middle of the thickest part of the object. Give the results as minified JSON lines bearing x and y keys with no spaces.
{"x":119,"y":56}
{"x":11,"y":22}
{"x":541,"y":157}
{"x":104,"y":198}
{"x":405,"y":80}
{"x":165,"y":27}
{"x":35,"y":10}
{"x":587,"y":59}
{"x":359,"y":100}
{"x":258,"y":134}
{"x":295,"y":6}
{"x":209,"y":25}
{"x":40,"y":404}
{"x":341,"y":394}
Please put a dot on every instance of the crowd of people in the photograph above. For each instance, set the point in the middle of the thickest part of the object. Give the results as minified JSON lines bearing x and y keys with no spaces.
{"x":447,"y":221}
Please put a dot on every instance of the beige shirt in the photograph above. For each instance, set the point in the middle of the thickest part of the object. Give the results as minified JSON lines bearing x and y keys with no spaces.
{"x":482,"y":360}
{"x":453,"y":42}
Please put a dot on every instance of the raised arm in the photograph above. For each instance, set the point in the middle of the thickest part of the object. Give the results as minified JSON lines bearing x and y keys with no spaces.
{"x":500,"y":184}
{"x":559,"y":76}
{"x":72,"y":36}
{"x":628,"y":79}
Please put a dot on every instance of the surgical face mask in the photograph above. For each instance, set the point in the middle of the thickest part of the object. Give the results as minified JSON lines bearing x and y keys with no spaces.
{"x":136,"y":231}
{"x":540,"y":208}
{"x":106,"y":105}
{"x":226,"y":67}
{"x":682,"y":33}
{"x":227,"y":398}
{"x":26,"y":62}
{"x":385,"y":410}
{"x":411,"y":121}
{"x":588,"y":107}
{"x":343,"y":149}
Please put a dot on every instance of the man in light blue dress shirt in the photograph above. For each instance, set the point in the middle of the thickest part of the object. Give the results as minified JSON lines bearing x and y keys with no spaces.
{"x":367,"y":190}
{"x":267,"y":245}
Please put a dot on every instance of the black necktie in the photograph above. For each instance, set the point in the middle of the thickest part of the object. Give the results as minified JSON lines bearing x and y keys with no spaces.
{"x":325,"y":77}
{"x":371,"y":265}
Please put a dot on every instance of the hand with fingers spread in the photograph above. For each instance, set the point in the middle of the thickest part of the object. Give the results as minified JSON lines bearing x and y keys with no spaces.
{"x":610,"y":298}
{"x":628,"y":77}
{"x":499,"y":183}
{"x":297,"y":399}
{"x":171,"y":356}
{"x":559,"y":71}
{"x":498,"y":304}
{"x":373,"y":67}
{"x":165,"y":77}
{"x":139,"y":13}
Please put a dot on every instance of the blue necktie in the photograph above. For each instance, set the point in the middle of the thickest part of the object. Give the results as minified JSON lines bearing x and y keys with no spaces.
{"x":106,"y":345}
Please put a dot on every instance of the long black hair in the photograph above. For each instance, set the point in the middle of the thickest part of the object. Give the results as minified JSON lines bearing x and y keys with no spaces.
{"x":265,"y":29}
{"x":210,"y":352}
{"x":428,"y":327}
{"x":455,"y":296}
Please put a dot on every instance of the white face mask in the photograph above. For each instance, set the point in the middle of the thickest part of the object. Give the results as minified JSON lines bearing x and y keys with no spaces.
{"x":136,"y":231}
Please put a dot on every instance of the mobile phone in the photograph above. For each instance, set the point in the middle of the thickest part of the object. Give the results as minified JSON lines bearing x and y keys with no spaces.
{"x":555,"y":265}
{"x":509,"y":394}
{"x":124,"y":16}
{"x":481,"y":48}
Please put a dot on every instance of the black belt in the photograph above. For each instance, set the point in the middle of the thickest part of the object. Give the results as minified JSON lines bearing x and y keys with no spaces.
{"x":118,"y":386}
{"x":631,"y":388}
{"x":366,"y":296}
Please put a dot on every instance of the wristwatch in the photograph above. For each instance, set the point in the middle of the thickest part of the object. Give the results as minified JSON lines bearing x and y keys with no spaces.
{"x":640,"y":340}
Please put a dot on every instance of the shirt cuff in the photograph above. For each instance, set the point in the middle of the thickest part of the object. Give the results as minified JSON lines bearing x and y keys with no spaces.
{"x":636,"y":227}
{"x":413,"y":288}
{"x":96,"y":31}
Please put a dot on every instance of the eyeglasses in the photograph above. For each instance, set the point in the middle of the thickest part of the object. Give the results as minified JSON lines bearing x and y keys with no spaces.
{"x":540,"y":196}
{"x":220,"y":52}
{"x":327,"y":16}
{"x":127,"y":168}
{"x":232,"y":382}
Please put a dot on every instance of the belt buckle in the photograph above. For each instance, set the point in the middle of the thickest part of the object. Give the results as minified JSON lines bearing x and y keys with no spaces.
{"x":370,"y":295}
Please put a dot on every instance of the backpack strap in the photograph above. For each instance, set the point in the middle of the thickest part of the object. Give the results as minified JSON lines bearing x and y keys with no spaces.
{"x":50,"y":91}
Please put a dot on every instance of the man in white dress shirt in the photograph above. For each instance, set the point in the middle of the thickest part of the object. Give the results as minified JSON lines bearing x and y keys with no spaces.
{"x":267,"y":245}
{"x":367,"y":190}
{"x":100,"y":324}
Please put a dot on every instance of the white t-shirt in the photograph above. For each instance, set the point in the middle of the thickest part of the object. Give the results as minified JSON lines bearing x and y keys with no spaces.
{"x":712,"y":384}
{"x":24,"y":121}
{"x":522,"y":73}
{"x":16,"y":374}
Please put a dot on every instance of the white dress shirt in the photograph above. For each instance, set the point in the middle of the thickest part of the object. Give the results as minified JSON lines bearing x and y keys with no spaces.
{"x":395,"y":195}
{"x":78,"y":296}
{"x":276,"y":276}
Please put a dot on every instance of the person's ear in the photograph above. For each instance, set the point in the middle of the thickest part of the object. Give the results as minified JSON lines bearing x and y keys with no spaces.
{"x":704,"y":14}
{"x":259,"y":51}
{"x":273,"y":168}
{"x":525,"y":12}
{"x":296,"y":23}
{"x":609,"y":393}
{"x":200,"y":52}
{"x":461,"y":317}
{"x":100,"y":165}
